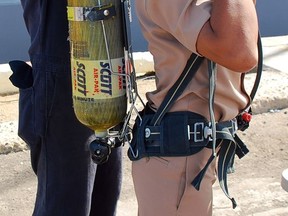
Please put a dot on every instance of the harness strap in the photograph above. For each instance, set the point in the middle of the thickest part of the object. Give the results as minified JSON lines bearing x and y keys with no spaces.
{"x":221,"y":135}
{"x":241,"y":149}
{"x":176,"y":90}
{"x":212,"y":85}
{"x":226,"y":153}
{"x":228,"y":146}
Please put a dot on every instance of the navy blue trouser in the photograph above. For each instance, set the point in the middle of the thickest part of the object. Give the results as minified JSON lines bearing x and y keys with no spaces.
{"x":69,"y":183}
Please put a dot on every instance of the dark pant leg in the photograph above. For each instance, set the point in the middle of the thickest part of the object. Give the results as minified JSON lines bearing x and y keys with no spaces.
{"x":59,"y":150}
{"x":65,"y":171}
{"x":64,"y":168}
{"x":107,"y":185}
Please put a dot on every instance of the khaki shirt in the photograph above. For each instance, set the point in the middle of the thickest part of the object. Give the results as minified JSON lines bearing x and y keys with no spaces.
{"x":171,"y":28}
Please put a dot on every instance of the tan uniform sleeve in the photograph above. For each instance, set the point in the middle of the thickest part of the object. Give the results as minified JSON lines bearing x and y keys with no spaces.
{"x":182,"y":18}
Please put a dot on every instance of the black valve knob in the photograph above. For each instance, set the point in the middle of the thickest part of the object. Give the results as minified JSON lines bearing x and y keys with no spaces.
{"x":100,"y":151}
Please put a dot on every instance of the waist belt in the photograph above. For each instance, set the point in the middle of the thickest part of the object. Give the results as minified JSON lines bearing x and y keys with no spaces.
{"x":197,"y":133}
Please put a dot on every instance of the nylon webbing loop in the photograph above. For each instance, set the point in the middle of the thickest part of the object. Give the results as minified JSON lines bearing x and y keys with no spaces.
{"x":226,"y":153}
{"x":227,"y":150}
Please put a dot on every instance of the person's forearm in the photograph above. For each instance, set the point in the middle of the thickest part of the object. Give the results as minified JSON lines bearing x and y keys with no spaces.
{"x":230,"y":36}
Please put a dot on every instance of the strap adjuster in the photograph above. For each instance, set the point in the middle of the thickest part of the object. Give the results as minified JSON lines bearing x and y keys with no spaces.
{"x":198,"y":132}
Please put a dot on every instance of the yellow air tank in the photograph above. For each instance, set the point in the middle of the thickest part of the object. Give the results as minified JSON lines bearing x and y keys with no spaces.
{"x":97,"y":63}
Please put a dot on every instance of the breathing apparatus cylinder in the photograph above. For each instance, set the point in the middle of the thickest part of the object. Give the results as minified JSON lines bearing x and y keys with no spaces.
{"x":97,"y":63}
{"x":97,"y":68}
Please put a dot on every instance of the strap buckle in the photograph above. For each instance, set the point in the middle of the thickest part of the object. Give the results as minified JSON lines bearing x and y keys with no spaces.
{"x":198,"y":135}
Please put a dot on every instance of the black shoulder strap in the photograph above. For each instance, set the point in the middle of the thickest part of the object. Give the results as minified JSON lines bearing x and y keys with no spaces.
{"x":176,"y":90}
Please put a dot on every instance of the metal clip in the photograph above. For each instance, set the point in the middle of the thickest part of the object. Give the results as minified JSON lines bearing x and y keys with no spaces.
{"x":198,"y":129}
{"x":207,"y":132}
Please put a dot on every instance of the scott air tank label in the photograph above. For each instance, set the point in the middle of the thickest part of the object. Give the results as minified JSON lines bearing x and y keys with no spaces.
{"x":96,"y":79}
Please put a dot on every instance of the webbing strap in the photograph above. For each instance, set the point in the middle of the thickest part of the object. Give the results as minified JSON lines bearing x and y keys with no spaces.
{"x":226,"y":153}
{"x":226,"y":142}
{"x":241,"y":149}
{"x":212,"y":86}
{"x":176,"y":90}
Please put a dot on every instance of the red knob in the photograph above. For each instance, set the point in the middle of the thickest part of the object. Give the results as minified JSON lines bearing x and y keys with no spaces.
{"x":246,"y":117}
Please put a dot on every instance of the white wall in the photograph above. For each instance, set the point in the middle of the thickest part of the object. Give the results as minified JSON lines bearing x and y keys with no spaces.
{"x":273,"y":17}
{"x":14,"y":40}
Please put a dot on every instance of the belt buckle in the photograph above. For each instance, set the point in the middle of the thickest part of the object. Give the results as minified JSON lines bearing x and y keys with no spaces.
{"x":198,"y":129}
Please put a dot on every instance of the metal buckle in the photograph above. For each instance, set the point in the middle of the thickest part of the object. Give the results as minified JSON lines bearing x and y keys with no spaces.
{"x":208,"y":132}
{"x":197,"y":130}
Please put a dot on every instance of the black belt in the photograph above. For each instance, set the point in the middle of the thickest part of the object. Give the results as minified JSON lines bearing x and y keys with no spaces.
{"x":198,"y":133}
